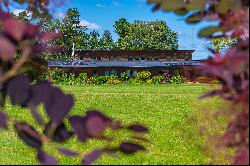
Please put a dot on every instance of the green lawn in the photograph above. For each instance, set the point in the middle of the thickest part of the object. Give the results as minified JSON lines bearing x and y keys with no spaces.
{"x":171,"y":112}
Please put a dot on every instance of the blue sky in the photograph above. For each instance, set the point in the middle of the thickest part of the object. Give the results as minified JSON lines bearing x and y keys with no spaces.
{"x":102,"y":14}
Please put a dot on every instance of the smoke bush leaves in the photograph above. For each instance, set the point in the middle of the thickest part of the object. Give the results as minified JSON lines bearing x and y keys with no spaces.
{"x":18,"y":89}
{"x":91,"y":157}
{"x":15,"y":28}
{"x":28,"y":134}
{"x":3,"y":121}
{"x":128,"y":147}
{"x":138,"y":128}
{"x":45,"y":158}
{"x":7,"y":48}
{"x":61,"y":134}
{"x":67,"y":152}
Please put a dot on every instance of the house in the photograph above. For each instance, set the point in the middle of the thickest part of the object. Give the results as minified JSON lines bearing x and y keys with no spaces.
{"x":114,"y":62}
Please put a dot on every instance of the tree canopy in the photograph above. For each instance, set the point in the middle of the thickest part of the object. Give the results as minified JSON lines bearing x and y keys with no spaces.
{"x":144,"y":35}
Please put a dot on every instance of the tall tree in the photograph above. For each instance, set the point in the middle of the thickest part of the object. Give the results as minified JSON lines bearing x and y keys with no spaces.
{"x":106,"y":41}
{"x":93,"y":42}
{"x":71,"y":30}
{"x":142,"y":35}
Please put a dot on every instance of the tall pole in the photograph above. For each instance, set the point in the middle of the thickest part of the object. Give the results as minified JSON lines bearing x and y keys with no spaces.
{"x":73,"y":52}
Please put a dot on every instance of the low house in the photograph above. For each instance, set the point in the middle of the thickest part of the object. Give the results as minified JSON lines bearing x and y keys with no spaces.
{"x":115,"y":62}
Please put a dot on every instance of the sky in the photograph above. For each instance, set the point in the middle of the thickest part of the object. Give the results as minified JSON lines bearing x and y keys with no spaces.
{"x":101,"y":15}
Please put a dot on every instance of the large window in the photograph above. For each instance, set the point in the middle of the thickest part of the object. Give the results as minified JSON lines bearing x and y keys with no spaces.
{"x":111,"y":73}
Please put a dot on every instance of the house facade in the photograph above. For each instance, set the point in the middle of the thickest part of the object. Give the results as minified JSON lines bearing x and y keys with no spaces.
{"x":115,"y":62}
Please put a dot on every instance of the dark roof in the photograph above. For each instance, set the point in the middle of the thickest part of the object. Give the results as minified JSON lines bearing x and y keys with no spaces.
{"x":133,"y":52}
{"x":137,"y":64}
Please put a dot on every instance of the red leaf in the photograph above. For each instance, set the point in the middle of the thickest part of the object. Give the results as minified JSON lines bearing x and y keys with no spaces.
{"x":47,"y":36}
{"x":15,"y":28}
{"x":7,"y":49}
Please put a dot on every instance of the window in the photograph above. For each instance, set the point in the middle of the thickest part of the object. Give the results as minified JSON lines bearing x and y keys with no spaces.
{"x":113,"y":73}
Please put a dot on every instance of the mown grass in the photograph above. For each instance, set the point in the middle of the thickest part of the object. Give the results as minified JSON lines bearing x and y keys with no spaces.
{"x":171,"y":112}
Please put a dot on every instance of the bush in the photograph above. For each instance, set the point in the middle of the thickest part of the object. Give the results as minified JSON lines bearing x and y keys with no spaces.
{"x":176,"y":79}
{"x":113,"y":80}
{"x":157,"y":79}
{"x":143,"y":76}
{"x":166,"y":77}
{"x":124,"y":76}
{"x":82,"y":79}
{"x":134,"y":81}
{"x":98,"y":80}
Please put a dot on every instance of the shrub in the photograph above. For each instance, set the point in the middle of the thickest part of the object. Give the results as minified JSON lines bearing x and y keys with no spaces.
{"x":157,"y":79}
{"x":143,"y":76}
{"x":56,"y":75}
{"x":134,"y":81}
{"x":82,"y":79}
{"x":72,"y":79}
{"x":166,"y":77}
{"x":176,"y":79}
{"x":98,"y":80}
{"x":124,"y":76}
{"x":113,"y":80}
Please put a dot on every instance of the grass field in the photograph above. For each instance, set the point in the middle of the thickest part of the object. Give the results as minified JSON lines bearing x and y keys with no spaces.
{"x":171,"y":112}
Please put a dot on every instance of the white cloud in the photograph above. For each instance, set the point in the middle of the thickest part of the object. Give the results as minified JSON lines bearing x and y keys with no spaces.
{"x":100,"y":5}
{"x":17,"y":11}
{"x":60,"y":15}
{"x":89,"y":25}
{"x":116,"y":4}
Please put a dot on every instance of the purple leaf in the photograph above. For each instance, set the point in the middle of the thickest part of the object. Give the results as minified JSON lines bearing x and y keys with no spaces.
{"x":77,"y":123}
{"x":91,"y":157}
{"x":7,"y":49}
{"x":60,"y":108}
{"x":3,"y":121}
{"x":129,"y":148}
{"x":18,"y":89}
{"x":56,"y":103}
{"x":61,"y":134}
{"x":46,"y":159}
{"x":138,"y":128}
{"x":95,"y":126}
{"x":213,"y":93}
{"x":67,"y":152}
{"x":28,"y":134}
{"x":15,"y":28}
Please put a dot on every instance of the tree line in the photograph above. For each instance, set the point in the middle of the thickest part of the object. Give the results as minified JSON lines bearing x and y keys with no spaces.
{"x":139,"y":35}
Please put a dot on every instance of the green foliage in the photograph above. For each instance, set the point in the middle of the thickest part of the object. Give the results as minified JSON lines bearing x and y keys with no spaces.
{"x":93,"y":41}
{"x":142,"y":35}
{"x":143,"y":76}
{"x":82,"y":79}
{"x":72,"y":32}
{"x":106,"y":41}
{"x":124,"y":76}
{"x":157,"y":79}
{"x":113,"y":80}
{"x":176,"y":79}
{"x":222,"y":43}
{"x":98,"y":80}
